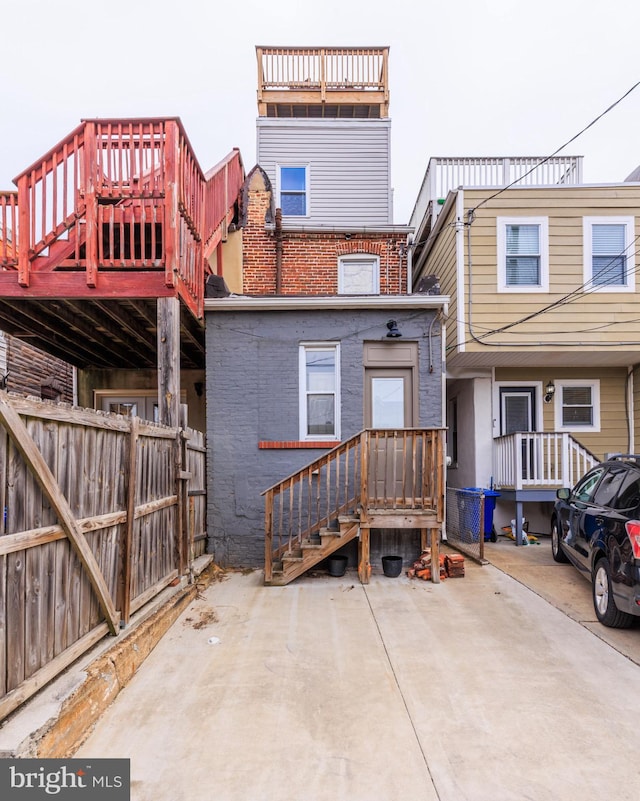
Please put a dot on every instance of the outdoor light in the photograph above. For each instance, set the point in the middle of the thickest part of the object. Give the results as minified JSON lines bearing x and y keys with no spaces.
{"x":392,"y":325}
{"x":549,"y":391}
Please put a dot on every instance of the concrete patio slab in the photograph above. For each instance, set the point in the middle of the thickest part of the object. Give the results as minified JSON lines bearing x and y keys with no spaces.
{"x":477,"y":688}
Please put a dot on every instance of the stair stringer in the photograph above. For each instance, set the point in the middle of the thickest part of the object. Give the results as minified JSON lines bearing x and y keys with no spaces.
{"x":310,"y":554}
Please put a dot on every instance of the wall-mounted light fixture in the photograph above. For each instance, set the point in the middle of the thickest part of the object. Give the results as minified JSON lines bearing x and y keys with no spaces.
{"x":549,"y":392}
{"x":394,"y":331}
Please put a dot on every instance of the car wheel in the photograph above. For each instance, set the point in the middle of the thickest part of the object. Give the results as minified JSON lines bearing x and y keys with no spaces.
{"x":606,"y":610}
{"x":556,"y":549}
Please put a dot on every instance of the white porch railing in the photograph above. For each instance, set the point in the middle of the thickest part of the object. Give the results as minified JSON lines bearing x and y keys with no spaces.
{"x":528,"y":459}
{"x":445,"y":174}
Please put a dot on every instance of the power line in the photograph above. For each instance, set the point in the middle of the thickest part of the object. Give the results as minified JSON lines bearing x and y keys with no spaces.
{"x":555,"y":152}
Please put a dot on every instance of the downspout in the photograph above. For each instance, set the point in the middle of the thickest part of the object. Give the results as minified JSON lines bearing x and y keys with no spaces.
{"x":278,"y":234}
{"x":409,"y":264}
{"x":631,"y":432}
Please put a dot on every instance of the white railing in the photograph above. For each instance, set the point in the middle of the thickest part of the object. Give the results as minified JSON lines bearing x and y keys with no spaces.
{"x":529,"y":459}
{"x":445,"y":174}
{"x":326,"y":67}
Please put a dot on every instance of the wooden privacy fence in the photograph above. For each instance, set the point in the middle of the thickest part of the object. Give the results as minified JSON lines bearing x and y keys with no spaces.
{"x":100,"y":513}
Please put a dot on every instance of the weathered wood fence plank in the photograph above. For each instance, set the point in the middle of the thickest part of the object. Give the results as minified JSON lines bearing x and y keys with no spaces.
{"x":18,"y":432}
{"x":99,"y":514}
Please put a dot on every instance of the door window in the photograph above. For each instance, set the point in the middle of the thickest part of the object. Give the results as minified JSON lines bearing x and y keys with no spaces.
{"x":387,"y":402}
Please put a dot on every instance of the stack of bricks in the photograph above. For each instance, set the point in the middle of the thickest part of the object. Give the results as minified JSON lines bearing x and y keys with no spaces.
{"x":422,"y":567}
{"x":454,"y":565}
{"x":451,"y":566}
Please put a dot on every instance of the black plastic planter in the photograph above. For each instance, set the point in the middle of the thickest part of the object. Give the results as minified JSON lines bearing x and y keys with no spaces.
{"x":337,"y":565}
{"x":392,"y":566}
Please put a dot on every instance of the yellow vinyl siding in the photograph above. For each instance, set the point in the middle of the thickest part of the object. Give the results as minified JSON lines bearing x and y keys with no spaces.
{"x":613,"y":435}
{"x":442,"y":262}
{"x":576,"y":325}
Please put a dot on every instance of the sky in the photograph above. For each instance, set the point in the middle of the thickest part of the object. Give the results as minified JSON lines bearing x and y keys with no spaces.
{"x":467,"y":78}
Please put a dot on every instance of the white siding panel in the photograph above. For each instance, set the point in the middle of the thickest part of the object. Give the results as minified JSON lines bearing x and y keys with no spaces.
{"x":350,"y":175}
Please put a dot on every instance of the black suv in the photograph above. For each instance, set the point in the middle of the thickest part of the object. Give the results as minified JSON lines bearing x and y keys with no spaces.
{"x":596,"y":526}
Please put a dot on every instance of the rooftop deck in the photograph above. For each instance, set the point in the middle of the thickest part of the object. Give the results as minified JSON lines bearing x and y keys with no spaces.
{"x":323,"y":82}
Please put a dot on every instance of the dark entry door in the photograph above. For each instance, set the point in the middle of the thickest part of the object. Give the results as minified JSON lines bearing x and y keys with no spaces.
{"x":518,"y":413}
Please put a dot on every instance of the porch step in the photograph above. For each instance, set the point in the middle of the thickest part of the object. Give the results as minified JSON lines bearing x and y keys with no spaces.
{"x":294,"y":564}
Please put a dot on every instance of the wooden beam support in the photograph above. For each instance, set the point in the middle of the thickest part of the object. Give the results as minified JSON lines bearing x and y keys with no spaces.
{"x":364,"y":556}
{"x":45,"y":478}
{"x":169,"y":361}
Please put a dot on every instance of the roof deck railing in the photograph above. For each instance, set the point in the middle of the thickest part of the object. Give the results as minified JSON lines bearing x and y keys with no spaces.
{"x":338,"y":74}
{"x":446,"y":174}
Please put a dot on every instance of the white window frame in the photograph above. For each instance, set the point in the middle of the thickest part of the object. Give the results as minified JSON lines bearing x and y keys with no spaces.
{"x":145,"y":399}
{"x":302,"y":383}
{"x":594,"y":384}
{"x":629,"y":251}
{"x":543,"y":225}
{"x":307,"y":193}
{"x":359,"y":257}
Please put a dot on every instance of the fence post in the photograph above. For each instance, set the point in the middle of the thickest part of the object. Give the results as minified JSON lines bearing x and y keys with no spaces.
{"x":125,"y":570}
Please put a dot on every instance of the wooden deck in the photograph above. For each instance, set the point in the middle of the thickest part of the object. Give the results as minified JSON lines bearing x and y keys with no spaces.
{"x":116,"y":216}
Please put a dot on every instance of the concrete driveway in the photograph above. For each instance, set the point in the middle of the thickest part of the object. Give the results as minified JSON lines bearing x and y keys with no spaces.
{"x":477,"y":688}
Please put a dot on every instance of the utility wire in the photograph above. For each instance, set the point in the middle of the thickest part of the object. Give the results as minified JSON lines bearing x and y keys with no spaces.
{"x":555,"y":152}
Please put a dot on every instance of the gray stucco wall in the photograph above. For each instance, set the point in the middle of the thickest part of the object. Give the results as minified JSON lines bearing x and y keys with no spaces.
{"x":252,"y":395}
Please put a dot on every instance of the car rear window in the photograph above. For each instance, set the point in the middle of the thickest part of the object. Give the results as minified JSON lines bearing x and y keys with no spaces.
{"x":608,"y":488}
{"x":629,"y":494}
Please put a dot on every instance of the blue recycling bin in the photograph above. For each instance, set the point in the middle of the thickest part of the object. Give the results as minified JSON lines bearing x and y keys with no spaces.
{"x":490,"y":497}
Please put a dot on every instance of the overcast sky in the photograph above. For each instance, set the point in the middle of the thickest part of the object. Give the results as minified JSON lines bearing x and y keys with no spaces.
{"x":468,"y":78}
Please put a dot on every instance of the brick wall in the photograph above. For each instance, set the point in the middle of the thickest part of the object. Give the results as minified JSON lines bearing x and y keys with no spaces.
{"x":310,"y":260}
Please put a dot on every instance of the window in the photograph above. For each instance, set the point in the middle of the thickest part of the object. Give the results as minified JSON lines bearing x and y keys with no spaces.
{"x":131,"y":403}
{"x":585,"y":487}
{"x":609,"y":487}
{"x":320,"y":390}
{"x":523,"y":254}
{"x":293,"y":189}
{"x":577,"y":405}
{"x":609,"y":260}
{"x":359,"y":275}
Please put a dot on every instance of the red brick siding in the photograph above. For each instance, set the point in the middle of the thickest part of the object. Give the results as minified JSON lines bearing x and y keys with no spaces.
{"x":310,"y":260}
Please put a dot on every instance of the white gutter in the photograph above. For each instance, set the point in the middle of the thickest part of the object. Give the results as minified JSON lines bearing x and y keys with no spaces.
{"x":334,"y":302}
{"x":460,"y":268}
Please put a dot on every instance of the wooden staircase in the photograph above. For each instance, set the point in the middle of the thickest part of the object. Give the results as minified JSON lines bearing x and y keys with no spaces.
{"x":383,"y":478}
{"x":314,"y":550}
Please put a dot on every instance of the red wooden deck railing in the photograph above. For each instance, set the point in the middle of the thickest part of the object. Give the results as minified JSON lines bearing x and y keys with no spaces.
{"x":126,"y":203}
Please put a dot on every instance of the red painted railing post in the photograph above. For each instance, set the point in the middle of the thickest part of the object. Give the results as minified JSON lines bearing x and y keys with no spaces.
{"x":24,"y":230}
{"x":91,"y":201}
{"x":171,"y":168}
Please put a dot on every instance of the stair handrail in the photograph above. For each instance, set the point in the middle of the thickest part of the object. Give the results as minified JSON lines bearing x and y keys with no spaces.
{"x":414,"y":480}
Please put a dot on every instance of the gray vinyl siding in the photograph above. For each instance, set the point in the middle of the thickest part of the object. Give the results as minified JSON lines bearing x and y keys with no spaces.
{"x":349,"y":166}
